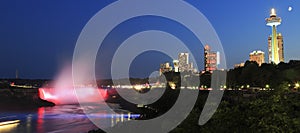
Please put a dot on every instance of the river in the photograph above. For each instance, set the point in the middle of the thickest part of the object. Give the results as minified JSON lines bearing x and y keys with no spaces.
{"x":57,"y":119}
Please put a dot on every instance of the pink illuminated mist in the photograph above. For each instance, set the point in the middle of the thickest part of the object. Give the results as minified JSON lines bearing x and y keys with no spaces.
{"x":62,"y":91}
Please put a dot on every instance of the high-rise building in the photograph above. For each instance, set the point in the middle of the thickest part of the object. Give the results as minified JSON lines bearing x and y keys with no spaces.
{"x":275,"y":41}
{"x":280,"y":48}
{"x":210,"y":59}
{"x":183,"y":62}
{"x":257,"y":56}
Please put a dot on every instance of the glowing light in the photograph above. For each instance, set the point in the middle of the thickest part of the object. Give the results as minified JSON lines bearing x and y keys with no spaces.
{"x":104,"y":93}
{"x":273,"y":12}
{"x":8,"y":126}
{"x":45,"y":94}
{"x":172,"y":85}
{"x":297,"y":85}
{"x":267,"y":86}
{"x":141,"y":87}
{"x":9,"y":122}
{"x":62,"y":90}
{"x":140,"y":105}
{"x":40,"y":119}
{"x":68,"y":95}
{"x":138,"y":87}
{"x":290,"y":8}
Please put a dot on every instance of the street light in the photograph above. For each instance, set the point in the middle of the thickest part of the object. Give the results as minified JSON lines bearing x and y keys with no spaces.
{"x":267,"y":86}
{"x":297,"y":85}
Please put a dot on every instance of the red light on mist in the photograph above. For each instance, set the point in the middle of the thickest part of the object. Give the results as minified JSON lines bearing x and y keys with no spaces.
{"x":70,"y":96}
{"x":45,"y":94}
{"x":104,"y":93}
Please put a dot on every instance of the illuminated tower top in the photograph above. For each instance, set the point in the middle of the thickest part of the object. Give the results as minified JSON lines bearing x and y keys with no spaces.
{"x":273,"y":13}
{"x":273,"y":20}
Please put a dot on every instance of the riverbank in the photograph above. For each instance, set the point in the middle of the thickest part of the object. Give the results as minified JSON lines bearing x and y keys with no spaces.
{"x":27,"y":98}
{"x":244,"y":111}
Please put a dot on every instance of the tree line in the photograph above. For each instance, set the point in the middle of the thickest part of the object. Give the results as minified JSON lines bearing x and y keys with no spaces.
{"x":264,"y":76}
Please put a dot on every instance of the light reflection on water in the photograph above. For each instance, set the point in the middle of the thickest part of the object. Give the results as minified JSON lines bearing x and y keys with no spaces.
{"x":62,"y":118}
{"x":7,"y":126}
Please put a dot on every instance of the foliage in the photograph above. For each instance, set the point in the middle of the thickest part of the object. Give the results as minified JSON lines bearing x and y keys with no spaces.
{"x":266,"y":74}
{"x":268,"y":111}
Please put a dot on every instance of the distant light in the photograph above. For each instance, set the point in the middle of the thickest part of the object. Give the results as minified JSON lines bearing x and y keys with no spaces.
{"x":9,"y":122}
{"x":290,"y":8}
{"x":297,"y":85}
{"x":172,"y":85}
{"x":140,"y":105}
{"x":138,"y":87}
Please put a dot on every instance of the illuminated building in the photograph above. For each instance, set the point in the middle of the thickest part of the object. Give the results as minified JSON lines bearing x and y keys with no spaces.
{"x":275,"y":41}
{"x":211,"y":59}
{"x":176,"y":65}
{"x":280,"y":48}
{"x":183,"y":62}
{"x":257,"y":56}
{"x":165,"y":67}
{"x":239,"y":65}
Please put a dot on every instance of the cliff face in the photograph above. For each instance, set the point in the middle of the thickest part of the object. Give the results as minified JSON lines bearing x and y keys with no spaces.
{"x":22,"y":97}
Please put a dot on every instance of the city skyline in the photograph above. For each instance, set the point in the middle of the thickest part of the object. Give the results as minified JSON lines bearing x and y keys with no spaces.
{"x":38,"y":38}
{"x":149,"y":66}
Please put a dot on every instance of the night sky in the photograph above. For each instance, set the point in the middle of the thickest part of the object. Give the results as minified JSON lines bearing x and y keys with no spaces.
{"x":38,"y":37}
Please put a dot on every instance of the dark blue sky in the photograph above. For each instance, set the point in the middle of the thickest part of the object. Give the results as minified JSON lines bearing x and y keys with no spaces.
{"x":37,"y":37}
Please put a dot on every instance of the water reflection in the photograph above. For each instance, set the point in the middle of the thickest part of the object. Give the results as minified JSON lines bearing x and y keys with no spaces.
{"x":8,"y":126}
{"x":40,"y":119}
{"x":63,"y":118}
